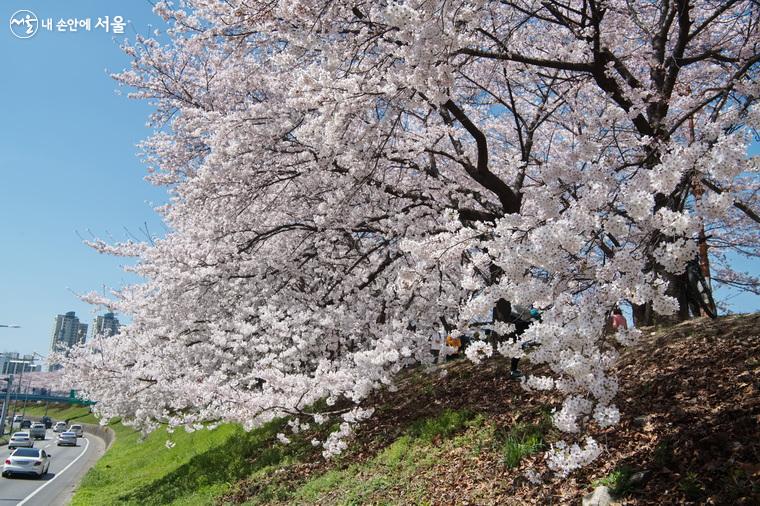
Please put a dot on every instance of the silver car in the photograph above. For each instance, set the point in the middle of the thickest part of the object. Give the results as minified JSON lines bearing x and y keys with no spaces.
{"x":59,"y":427}
{"x":20,"y":440}
{"x":38,"y":431}
{"x":34,"y":461}
{"x":67,"y":439}
{"x":78,"y":429}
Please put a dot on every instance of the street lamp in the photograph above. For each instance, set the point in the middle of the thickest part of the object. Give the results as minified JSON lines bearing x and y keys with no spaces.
{"x":11,"y":326}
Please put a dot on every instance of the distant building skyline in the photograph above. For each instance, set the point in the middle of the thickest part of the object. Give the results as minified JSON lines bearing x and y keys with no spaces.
{"x":68,"y":332}
{"x":105,"y":325}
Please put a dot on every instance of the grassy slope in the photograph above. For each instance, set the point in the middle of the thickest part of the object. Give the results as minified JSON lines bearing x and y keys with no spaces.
{"x":146,"y":472}
{"x":62,"y":412}
{"x":690,"y":424}
{"x":143,"y":471}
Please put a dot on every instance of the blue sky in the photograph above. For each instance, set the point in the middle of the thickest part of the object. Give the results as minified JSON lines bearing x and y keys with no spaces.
{"x":69,"y":166}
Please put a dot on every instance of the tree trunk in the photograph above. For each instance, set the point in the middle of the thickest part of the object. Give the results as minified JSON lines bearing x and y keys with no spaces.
{"x":645,"y":316}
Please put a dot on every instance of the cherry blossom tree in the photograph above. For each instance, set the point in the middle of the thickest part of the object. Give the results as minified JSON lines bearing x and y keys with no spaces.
{"x":345,"y":176}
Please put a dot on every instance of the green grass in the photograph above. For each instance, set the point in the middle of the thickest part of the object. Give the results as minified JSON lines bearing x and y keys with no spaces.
{"x":56,"y":412}
{"x":521,"y":440}
{"x":201,"y":466}
{"x":396,"y":475}
{"x":371,"y":482}
{"x":444,"y":425}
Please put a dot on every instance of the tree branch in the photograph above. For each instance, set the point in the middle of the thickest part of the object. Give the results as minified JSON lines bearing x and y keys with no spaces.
{"x":510,"y":200}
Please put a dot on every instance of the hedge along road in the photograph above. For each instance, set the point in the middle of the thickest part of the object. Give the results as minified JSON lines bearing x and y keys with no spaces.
{"x":67,"y":467}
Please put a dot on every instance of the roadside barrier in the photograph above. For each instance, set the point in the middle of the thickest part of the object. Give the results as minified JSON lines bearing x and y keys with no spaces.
{"x":105,"y":433}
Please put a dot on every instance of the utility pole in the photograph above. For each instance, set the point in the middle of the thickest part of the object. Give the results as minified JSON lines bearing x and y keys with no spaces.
{"x":26,"y":397}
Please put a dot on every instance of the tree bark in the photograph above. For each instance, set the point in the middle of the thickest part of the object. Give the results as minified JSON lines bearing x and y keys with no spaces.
{"x":645,"y":316}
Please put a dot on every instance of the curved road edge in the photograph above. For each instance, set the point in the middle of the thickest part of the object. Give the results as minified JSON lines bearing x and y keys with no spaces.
{"x":61,"y":494}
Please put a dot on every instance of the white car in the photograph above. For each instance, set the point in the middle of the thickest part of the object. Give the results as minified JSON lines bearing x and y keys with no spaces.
{"x":59,"y":427}
{"x":34,"y":461}
{"x":20,"y":440}
{"x":78,"y":429}
{"x":67,"y":439}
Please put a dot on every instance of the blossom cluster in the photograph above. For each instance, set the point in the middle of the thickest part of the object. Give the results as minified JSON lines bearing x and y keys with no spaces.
{"x":564,"y":459}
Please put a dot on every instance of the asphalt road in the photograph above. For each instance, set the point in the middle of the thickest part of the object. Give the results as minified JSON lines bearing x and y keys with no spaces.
{"x":68,"y":465}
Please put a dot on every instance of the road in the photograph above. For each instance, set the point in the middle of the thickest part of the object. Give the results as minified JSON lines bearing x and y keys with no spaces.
{"x":67,"y":466}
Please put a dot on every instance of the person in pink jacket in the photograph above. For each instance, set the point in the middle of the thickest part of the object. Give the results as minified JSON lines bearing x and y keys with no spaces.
{"x":618,"y":320}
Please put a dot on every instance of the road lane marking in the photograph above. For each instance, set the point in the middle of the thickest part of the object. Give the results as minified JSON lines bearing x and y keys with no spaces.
{"x":26,"y":499}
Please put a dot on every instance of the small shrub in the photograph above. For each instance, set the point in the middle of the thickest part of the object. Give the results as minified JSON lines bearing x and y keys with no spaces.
{"x":618,"y":481}
{"x":663,"y":455}
{"x":739,"y":484}
{"x":691,"y":486}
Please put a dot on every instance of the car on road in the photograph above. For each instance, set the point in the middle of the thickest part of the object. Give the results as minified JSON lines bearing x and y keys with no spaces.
{"x":59,"y":427}
{"x":34,"y":461}
{"x":37,"y":431}
{"x":20,"y":440}
{"x":25,"y":424}
{"x":67,"y":439}
{"x":17,"y":418}
{"x":47,"y":421}
{"x":78,"y":429}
